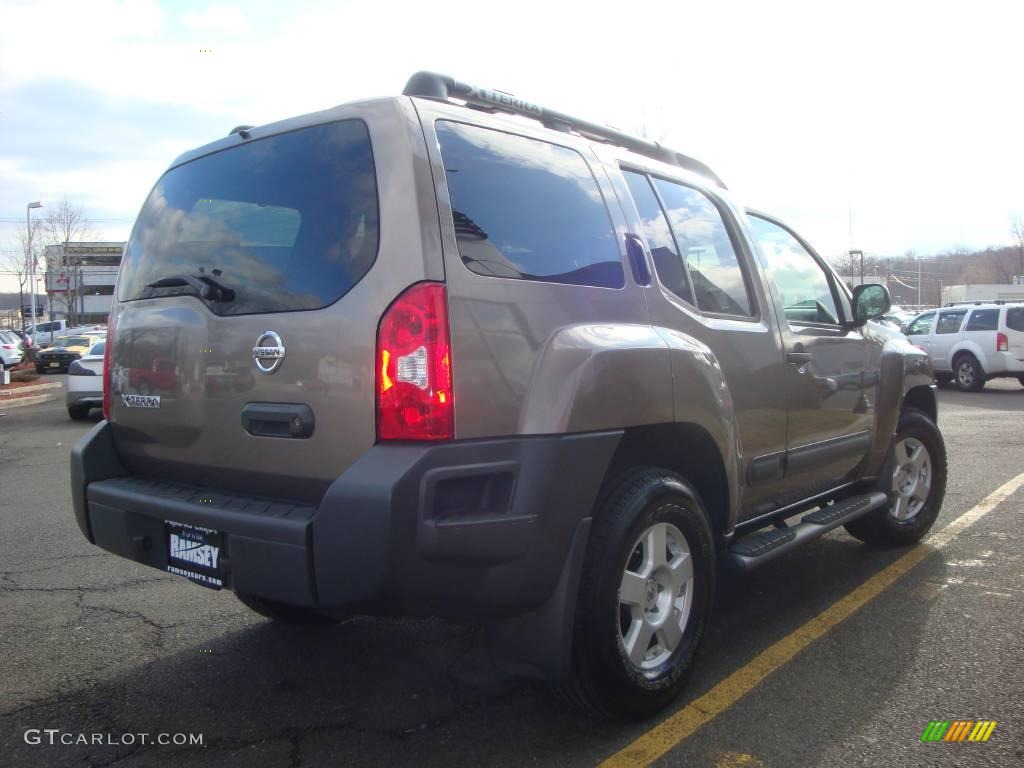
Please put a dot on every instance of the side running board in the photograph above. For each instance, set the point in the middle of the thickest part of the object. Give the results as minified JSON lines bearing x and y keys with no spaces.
{"x":747,"y":553}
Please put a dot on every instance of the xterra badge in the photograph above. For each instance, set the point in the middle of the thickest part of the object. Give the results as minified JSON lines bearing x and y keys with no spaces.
{"x":140,"y":401}
{"x":268,"y":352}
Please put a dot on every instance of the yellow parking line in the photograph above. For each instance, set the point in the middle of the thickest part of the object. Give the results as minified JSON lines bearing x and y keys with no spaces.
{"x":671,"y":732}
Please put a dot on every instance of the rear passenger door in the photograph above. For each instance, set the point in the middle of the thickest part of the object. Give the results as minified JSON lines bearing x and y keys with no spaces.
{"x":707,"y":286}
{"x":947,"y":334}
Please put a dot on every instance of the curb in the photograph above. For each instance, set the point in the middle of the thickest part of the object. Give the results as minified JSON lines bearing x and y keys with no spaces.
{"x":12,"y":393}
{"x":23,"y":401}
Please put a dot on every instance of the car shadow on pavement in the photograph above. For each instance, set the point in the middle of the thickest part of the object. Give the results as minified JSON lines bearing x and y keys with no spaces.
{"x":385,"y":691}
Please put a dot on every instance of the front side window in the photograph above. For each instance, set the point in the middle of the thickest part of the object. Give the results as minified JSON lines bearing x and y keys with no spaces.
{"x":803,"y":283}
{"x":949,"y":322}
{"x":667,"y":261}
{"x":922,"y":324}
{"x":714,"y":268}
{"x":526,"y":209}
{"x":983,"y":320}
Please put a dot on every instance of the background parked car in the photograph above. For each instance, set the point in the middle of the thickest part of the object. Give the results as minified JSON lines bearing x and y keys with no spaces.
{"x":63,"y":352}
{"x":85,"y":382}
{"x":969,"y":345}
{"x":12,"y":350}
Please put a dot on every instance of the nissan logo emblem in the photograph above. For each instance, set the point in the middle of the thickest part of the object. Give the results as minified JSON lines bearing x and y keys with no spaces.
{"x":268,"y":352}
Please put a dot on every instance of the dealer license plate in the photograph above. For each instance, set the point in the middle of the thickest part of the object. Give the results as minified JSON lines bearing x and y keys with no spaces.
{"x":55,"y":365}
{"x":195,"y":553}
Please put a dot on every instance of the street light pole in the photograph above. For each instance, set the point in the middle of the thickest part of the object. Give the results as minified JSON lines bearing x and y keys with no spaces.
{"x":31,"y":258}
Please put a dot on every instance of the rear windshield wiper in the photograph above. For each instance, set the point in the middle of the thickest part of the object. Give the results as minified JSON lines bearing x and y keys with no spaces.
{"x":205,"y":287}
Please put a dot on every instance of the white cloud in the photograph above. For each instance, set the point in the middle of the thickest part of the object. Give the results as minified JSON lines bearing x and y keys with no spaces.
{"x":227,"y":19}
{"x":906,"y":111}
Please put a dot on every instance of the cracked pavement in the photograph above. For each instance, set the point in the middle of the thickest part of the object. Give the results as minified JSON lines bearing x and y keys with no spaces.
{"x":91,"y":643}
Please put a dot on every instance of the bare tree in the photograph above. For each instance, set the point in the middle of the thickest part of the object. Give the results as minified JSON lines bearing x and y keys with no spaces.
{"x":1017,"y":228}
{"x":63,"y":223}
{"x":19,"y":261}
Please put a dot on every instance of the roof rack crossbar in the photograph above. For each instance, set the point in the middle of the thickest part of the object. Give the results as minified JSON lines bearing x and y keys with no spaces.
{"x":431,"y":85}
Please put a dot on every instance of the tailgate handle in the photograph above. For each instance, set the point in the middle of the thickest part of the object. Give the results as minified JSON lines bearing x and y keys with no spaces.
{"x":292,"y":420}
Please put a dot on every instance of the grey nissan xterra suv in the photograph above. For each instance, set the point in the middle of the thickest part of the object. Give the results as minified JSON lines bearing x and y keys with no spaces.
{"x":455,"y":354}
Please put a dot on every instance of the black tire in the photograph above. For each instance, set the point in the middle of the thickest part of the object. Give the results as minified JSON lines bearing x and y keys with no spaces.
{"x":287,"y":613}
{"x":40,"y":369}
{"x":880,"y":528}
{"x":79,"y":412}
{"x":603,"y":682}
{"x":968,"y":375}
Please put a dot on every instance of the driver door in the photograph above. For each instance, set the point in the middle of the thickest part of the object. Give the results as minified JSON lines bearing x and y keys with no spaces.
{"x":829,"y":416}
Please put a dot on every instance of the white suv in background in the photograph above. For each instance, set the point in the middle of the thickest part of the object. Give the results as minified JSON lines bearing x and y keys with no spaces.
{"x":970,"y":344}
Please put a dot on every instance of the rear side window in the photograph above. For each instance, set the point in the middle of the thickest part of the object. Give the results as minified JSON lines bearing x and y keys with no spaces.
{"x":711,"y":260}
{"x":288,"y":222}
{"x":983,"y":320}
{"x":1015,"y":318}
{"x":527,"y":209}
{"x":667,"y":262}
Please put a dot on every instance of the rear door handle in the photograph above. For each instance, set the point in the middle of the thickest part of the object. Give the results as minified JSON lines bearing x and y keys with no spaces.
{"x":289,"y":420}
{"x":798,"y":358}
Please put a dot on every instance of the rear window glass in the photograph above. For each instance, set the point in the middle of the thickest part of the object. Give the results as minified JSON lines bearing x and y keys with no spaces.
{"x":949,"y":322}
{"x":527,"y":209}
{"x":289,"y":222}
{"x":1015,"y":318}
{"x":983,"y":320}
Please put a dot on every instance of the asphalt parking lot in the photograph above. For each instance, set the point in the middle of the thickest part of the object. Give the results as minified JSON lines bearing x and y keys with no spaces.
{"x":91,"y":643}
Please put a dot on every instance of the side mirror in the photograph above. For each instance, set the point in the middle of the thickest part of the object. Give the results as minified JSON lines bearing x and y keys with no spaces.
{"x":870,"y":301}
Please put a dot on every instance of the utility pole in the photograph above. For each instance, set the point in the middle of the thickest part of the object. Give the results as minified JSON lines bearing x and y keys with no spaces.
{"x":31,"y":257}
{"x":854,"y":255}
{"x":918,"y":282}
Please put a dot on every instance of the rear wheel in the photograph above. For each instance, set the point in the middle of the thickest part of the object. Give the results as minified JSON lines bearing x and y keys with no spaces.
{"x":287,"y":613}
{"x":917,"y":488}
{"x":79,"y":412}
{"x":645,"y":597}
{"x":968,"y":375}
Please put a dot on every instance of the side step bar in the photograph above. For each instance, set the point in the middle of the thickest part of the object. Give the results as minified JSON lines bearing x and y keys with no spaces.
{"x":758,"y":548}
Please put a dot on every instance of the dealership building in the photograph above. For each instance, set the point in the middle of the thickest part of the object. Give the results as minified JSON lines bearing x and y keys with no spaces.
{"x":80,"y":280}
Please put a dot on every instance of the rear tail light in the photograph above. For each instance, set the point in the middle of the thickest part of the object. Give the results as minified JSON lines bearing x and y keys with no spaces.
{"x":8,"y":346}
{"x":1002,"y":343}
{"x":414,"y":377}
{"x":106,"y":367}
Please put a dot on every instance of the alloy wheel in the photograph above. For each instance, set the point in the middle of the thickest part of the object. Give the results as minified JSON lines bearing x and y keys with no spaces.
{"x":655,"y":597}
{"x":911,"y":479}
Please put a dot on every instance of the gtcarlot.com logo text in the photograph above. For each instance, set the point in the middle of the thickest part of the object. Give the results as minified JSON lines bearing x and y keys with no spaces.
{"x":56,"y":736}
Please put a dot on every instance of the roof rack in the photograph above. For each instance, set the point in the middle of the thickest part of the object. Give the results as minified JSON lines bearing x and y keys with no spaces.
{"x":430,"y":85}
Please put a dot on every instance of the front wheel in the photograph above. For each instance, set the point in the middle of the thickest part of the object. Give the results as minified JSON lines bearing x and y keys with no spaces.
{"x":645,"y":597}
{"x":917,"y":488}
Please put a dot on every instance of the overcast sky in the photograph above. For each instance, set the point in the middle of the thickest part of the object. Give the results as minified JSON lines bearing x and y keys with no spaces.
{"x":909,"y":113}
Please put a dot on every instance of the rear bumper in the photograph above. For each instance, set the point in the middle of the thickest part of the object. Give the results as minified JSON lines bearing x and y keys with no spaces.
{"x":478,"y":529}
